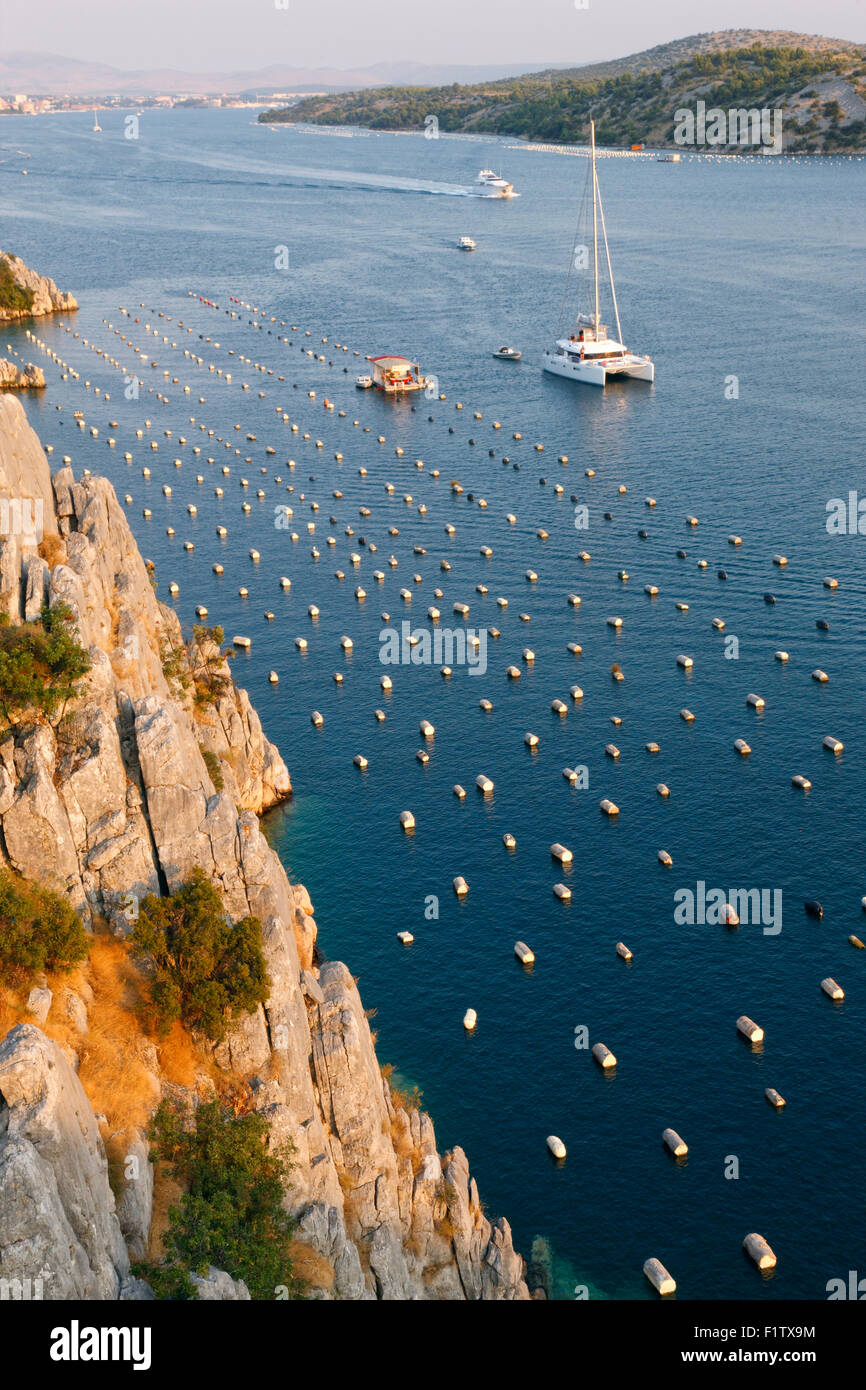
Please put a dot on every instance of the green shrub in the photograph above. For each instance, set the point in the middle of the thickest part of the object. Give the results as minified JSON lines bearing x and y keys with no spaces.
{"x":14,"y":298}
{"x":175,"y":665}
{"x":212,"y":763}
{"x":41,"y":664}
{"x":207,"y":662}
{"x":39,"y":930}
{"x":231,"y":1214}
{"x":205,"y":970}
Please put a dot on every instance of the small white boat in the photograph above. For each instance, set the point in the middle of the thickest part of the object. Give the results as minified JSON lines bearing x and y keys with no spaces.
{"x":508,"y":354}
{"x":492,"y":185}
{"x":364,"y":382}
{"x":589,"y":353}
{"x":96,"y":126}
{"x":466,"y":243}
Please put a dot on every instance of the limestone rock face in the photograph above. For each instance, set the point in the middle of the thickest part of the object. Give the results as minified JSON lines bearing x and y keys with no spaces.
{"x":57,"y":1215}
{"x":216,"y":1286}
{"x":26,"y":378}
{"x":47,"y":298}
{"x":119,"y":801}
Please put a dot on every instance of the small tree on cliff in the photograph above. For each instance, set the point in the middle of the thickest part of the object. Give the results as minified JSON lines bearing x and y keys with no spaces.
{"x":41,"y":664}
{"x":205,"y":970}
{"x":39,"y":930}
{"x":208,"y":663}
{"x":231,"y":1214}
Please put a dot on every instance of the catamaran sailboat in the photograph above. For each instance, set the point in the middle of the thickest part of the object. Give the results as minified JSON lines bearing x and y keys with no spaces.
{"x":589,"y":353}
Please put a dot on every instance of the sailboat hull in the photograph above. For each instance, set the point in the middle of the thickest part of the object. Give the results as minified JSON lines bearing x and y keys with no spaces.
{"x":593,"y":374}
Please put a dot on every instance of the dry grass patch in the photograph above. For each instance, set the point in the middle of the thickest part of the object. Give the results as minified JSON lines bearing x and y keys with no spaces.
{"x":52,"y":550}
{"x":310,"y":1266}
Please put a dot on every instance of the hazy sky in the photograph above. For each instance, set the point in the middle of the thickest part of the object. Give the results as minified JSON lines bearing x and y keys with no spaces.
{"x":231,"y":34}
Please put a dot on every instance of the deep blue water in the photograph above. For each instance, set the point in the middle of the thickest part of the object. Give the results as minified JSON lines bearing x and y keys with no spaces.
{"x":747,"y":268}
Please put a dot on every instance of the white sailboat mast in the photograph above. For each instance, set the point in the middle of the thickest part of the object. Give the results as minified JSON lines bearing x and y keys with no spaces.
{"x":594,"y":226}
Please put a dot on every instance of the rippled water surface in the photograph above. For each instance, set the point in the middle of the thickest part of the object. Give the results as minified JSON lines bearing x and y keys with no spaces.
{"x":746,"y":269}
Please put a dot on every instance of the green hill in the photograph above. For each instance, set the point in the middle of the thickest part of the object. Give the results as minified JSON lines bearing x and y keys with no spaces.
{"x":818,"y":83}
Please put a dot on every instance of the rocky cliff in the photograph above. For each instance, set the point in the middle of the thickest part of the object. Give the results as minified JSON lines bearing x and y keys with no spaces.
{"x":26,"y":378}
{"x":43,"y":295}
{"x":121,"y":800}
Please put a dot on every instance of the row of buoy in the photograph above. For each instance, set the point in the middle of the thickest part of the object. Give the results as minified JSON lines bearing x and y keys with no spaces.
{"x":828,"y":986}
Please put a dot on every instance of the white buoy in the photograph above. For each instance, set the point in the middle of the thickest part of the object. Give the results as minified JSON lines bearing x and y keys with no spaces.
{"x":831,"y":583}
{"x":406,"y":937}
{"x":831,"y":989}
{"x":574,"y":600}
{"x":612,"y":751}
{"x":561,"y":853}
{"x":663,"y":1283}
{"x":742,"y":746}
{"x":317,"y":719}
{"x":685,"y":661}
{"x":652,"y":747}
{"x":242,"y":642}
{"x":426,"y":728}
{"x":385,"y":682}
{"x":407,"y":820}
{"x":774,"y":1098}
{"x":802,"y":782}
{"x":562,"y":891}
{"x":470,"y":1018}
{"x":509,"y":841}
{"x":820,"y":676}
{"x":556,"y":1146}
{"x":780,"y":560}
{"x":531,"y":740}
{"x":301,"y":644}
{"x":687,"y":716}
{"x":273,"y":677}
{"x":576,"y":692}
{"x":604,"y":1056}
{"x":523,"y":953}
{"x":623,"y":951}
{"x":484,"y":783}
{"x":614,"y":622}
{"x":665,"y":858}
{"x":749,"y":1030}
{"x":609,"y":807}
{"x":756,"y":701}
{"x":833,"y":744}
{"x":360,"y":761}
{"x":757,"y":1248}
{"x":678,"y":1147}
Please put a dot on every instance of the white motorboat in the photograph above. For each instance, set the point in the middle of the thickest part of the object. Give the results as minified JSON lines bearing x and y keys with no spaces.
{"x":492,"y":185}
{"x":508,"y":354}
{"x":364,"y":382}
{"x":466,"y":243}
{"x":589,"y":353}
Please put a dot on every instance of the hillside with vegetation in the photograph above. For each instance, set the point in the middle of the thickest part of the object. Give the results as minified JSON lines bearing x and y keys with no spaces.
{"x":818,"y":83}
